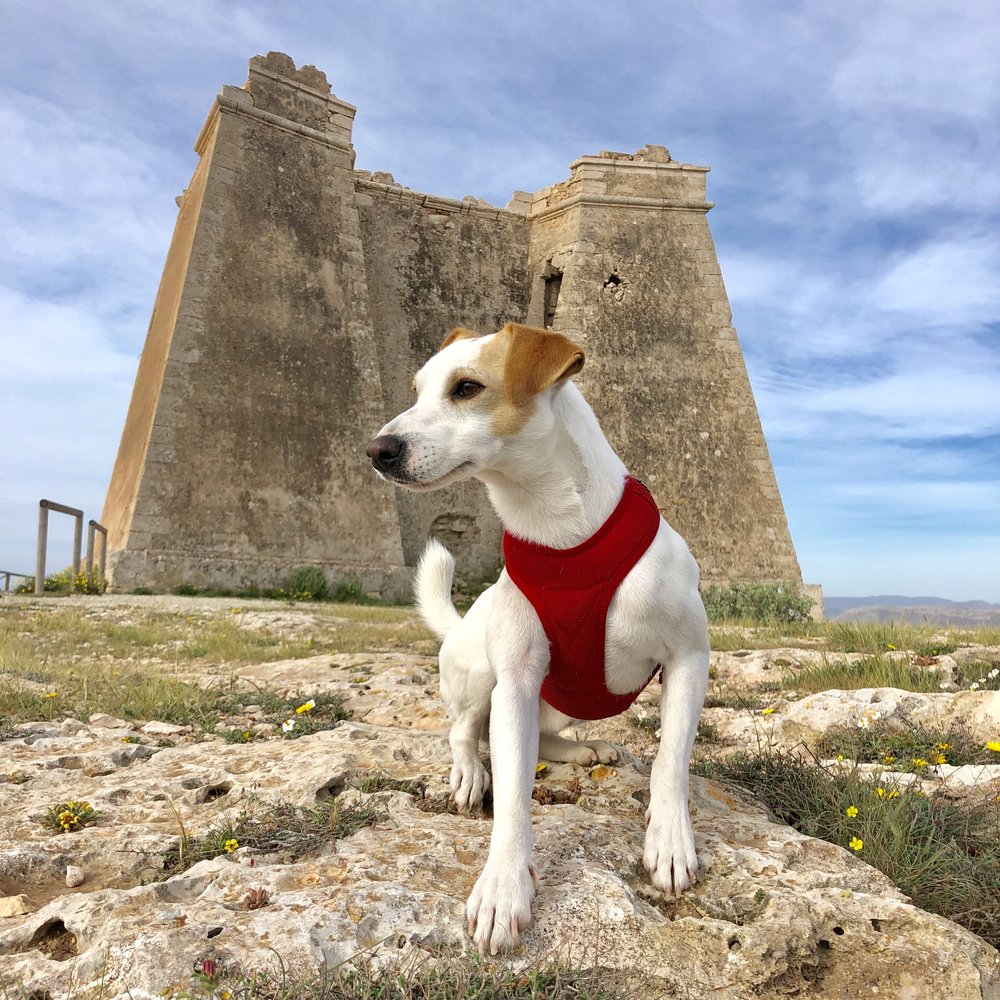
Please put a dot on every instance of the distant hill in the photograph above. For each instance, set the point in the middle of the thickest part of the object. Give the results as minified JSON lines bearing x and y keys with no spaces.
{"x":886,"y":608}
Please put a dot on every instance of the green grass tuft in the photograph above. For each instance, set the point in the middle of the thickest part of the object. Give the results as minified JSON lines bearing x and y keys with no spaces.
{"x":943,"y":854}
{"x":875,"y":671}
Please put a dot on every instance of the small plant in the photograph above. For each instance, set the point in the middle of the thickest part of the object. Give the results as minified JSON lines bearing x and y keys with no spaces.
{"x":757,"y":603}
{"x":385,"y":783}
{"x":256,"y":898}
{"x":306,"y":583}
{"x":897,"y":749}
{"x":69,"y":817}
{"x":276,"y":828}
{"x":934,"y":649}
{"x":350,"y":591}
{"x":943,"y":854}
{"x":979,"y":676}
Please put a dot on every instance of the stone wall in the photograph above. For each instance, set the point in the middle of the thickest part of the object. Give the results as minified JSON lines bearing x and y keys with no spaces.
{"x":299,"y":297}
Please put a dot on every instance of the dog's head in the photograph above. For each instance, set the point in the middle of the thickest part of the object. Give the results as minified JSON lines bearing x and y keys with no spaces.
{"x":475,"y":397}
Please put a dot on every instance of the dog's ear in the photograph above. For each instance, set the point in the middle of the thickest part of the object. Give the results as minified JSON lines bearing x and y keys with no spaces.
{"x":535,"y":360}
{"x":459,"y":333}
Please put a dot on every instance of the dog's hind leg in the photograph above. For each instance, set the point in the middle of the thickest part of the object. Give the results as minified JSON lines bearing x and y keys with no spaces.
{"x":466,"y":686}
{"x":469,"y":778}
{"x":552,"y":746}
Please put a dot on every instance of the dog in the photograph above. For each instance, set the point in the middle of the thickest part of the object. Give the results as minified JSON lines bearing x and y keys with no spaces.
{"x":502,"y":408}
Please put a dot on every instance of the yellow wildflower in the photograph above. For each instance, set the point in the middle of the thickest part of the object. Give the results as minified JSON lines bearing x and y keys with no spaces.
{"x":856,"y":844}
{"x":943,"y":746}
{"x":840,"y":758}
{"x":52,"y":694}
{"x":888,"y":759}
{"x":889,"y":645}
{"x":307,"y":707}
{"x":918,"y":761}
{"x":993,"y":745}
{"x":940,"y":759}
{"x":893,"y":794}
{"x":231,"y":845}
{"x":880,"y":792}
{"x":769,"y":711}
{"x":851,"y":811}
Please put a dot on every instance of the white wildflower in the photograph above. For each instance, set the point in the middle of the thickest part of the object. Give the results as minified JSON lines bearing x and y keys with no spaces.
{"x":288,"y":725}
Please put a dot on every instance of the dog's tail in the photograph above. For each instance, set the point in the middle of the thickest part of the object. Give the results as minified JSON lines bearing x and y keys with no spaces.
{"x":432,"y":589}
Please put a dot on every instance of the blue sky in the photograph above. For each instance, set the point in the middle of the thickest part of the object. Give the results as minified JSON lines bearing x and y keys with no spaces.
{"x":853,"y":147}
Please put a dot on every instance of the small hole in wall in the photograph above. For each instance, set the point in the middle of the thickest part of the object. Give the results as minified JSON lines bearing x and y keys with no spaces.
{"x":734,"y":944}
{"x":613,"y":281}
{"x":838,"y":930}
{"x":876,"y":924}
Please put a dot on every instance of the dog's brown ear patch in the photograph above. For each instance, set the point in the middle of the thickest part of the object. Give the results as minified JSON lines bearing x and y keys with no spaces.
{"x":535,"y":360}
{"x":459,"y":333}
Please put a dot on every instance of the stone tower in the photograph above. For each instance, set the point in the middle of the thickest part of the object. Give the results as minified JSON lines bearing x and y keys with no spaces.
{"x":299,"y":295}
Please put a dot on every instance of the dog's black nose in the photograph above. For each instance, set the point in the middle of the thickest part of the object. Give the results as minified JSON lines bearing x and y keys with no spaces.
{"x":386,"y":452}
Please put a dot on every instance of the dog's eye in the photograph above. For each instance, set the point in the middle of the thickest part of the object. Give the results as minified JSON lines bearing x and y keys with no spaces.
{"x":466,"y":389}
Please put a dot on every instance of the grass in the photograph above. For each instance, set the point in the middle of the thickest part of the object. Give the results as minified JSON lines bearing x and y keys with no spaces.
{"x":135,"y":695}
{"x":437,"y":976}
{"x":873,"y":671}
{"x":59,"y":660}
{"x":277,"y":829}
{"x":847,"y":637}
{"x":898,"y":748}
{"x":946,"y":856}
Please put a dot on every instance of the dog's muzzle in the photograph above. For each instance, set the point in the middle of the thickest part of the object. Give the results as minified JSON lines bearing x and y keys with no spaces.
{"x":388,"y":454}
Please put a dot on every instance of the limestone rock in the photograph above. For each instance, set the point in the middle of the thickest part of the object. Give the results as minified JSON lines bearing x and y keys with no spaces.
{"x":14,"y":906}
{"x":156,"y":728}
{"x":776,"y":912}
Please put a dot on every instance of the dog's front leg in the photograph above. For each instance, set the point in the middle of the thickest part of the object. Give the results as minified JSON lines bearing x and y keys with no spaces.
{"x":499,"y":907}
{"x":669,"y":853}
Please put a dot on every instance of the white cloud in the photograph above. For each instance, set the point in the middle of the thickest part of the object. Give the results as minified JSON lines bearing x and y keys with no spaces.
{"x":945,"y":281}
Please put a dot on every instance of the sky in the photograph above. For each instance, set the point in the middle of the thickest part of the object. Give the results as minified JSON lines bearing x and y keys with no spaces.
{"x":853,"y":146}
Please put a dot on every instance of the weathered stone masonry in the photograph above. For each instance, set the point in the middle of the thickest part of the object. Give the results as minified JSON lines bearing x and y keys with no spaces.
{"x":299,"y":295}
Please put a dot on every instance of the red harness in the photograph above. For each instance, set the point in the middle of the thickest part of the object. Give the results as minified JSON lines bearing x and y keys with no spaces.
{"x":571,"y":591}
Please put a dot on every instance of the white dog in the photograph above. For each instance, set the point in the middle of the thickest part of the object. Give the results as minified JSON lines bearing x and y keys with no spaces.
{"x":501,"y":408}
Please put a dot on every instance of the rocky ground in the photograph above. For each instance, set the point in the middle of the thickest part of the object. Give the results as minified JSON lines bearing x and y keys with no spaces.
{"x":110,"y":910}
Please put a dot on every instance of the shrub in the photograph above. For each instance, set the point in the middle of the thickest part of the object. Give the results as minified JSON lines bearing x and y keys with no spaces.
{"x":306,"y":583}
{"x":759,"y":603}
{"x":350,"y":591}
{"x":67,"y":582}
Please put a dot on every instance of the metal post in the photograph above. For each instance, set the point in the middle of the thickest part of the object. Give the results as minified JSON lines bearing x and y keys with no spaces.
{"x":92,"y":528}
{"x":77,"y":546}
{"x":43,"y":537}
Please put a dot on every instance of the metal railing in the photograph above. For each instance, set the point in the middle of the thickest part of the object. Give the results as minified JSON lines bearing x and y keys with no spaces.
{"x":94,"y":528}
{"x":7,"y":574}
{"x":44,"y":506}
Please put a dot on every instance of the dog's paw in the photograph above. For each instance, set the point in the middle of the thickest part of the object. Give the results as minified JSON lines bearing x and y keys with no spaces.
{"x":468,"y":783}
{"x":605,"y":752}
{"x":669,"y":854}
{"x":499,"y":907}
{"x":586,"y":753}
